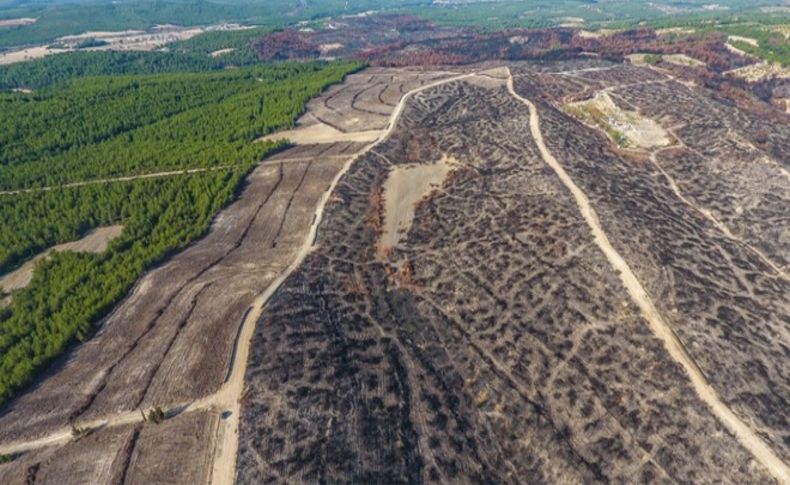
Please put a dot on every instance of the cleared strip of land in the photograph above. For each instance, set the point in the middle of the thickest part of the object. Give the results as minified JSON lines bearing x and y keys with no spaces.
{"x":126,"y":178}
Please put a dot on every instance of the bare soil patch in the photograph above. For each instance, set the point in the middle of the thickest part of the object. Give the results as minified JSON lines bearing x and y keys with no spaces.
{"x":220,"y":52}
{"x":761,"y":71}
{"x":748,"y":40}
{"x":126,"y":40}
{"x":405,"y":187}
{"x":677,"y":59}
{"x":626,"y":128}
{"x":676,"y":30}
{"x":28,"y":54}
{"x":327,"y":49}
{"x":16,"y":22}
{"x":322,"y":133}
{"x":782,"y":29}
{"x":682,"y":60}
{"x":95,"y":241}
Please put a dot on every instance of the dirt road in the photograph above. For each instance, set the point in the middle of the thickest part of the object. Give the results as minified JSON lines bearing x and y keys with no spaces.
{"x":715,"y":221}
{"x":127,"y":178}
{"x":748,"y":438}
{"x":227,"y":447}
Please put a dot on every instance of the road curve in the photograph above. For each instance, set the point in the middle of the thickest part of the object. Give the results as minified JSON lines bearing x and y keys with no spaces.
{"x":226,"y":399}
{"x":228,"y":440}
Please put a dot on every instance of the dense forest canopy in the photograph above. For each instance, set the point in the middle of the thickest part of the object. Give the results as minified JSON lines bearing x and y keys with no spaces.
{"x":93,"y":127}
{"x":54,"y":69}
{"x":56,"y":20}
{"x":158,"y":122}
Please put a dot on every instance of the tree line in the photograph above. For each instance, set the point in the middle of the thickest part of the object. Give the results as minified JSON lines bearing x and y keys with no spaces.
{"x":55,"y":69}
{"x":191,"y":131}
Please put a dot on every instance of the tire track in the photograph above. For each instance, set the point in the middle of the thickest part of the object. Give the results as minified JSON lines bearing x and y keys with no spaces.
{"x":128,"y":452}
{"x":776,"y":268}
{"x":126,"y":178}
{"x":181,"y":324}
{"x":504,"y":373}
{"x":288,"y":205}
{"x":225,"y":460}
{"x":365,"y":110}
{"x":228,"y":396}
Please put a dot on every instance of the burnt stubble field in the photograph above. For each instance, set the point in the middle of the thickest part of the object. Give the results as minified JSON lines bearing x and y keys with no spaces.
{"x":496,"y":342}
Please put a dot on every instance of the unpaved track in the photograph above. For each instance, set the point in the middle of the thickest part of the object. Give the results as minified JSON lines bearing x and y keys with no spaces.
{"x":716,"y":222}
{"x":748,"y":438}
{"x":126,"y":178}
{"x":228,"y":396}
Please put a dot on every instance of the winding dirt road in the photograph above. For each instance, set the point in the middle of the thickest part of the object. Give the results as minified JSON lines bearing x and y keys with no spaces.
{"x":228,"y":441}
{"x":747,"y":437}
{"x":715,"y":221}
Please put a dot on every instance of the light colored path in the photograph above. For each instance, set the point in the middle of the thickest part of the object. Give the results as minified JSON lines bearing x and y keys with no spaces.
{"x":228,"y":440}
{"x":95,"y":241}
{"x":747,"y":437}
{"x":715,"y":221}
{"x":322,"y":133}
{"x":125,"y":178}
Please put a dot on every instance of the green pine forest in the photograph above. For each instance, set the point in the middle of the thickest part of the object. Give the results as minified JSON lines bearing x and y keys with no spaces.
{"x":85,"y":129}
{"x":157,"y":122}
{"x":183,"y":56}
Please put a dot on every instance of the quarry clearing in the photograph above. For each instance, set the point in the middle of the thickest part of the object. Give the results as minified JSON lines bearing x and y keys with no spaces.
{"x":602,"y":112}
{"x":126,"y":40}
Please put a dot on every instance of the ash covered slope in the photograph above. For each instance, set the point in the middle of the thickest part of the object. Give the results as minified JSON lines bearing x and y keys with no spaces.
{"x":495,"y":342}
{"x":702,"y":223}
